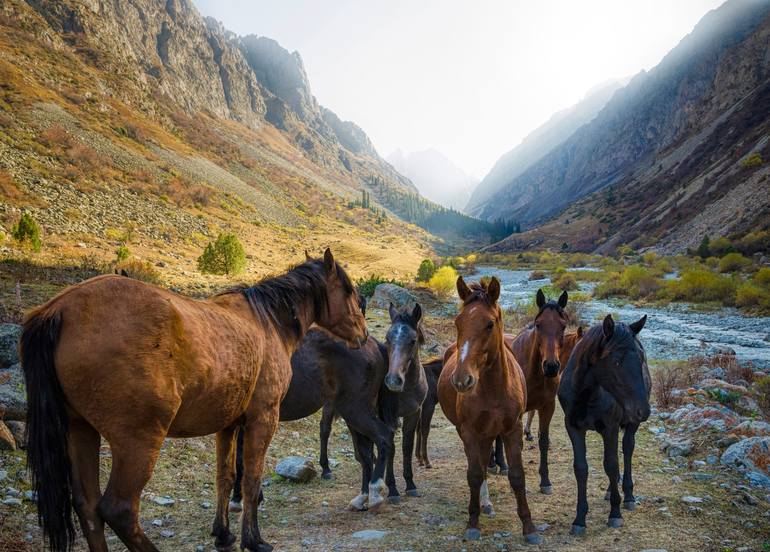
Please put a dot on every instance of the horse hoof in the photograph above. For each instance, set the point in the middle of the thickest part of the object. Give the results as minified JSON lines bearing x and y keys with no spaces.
{"x":615,"y":522}
{"x":395,"y":499}
{"x":413,"y":492}
{"x":358,"y":504}
{"x":472,"y":534}
{"x":607,"y":495}
{"x":375,"y":503}
{"x":327,"y":475}
{"x":529,"y":437}
{"x":577,"y":530}
{"x":533,"y":538}
{"x":503,"y":471}
{"x":491,"y":469}
{"x":488,"y":509}
{"x":428,"y":465}
{"x":546,"y":489}
{"x":225,"y":543}
{"x":235,"y":506}
{"x":264,"y":547}
{"x":630,"y":505}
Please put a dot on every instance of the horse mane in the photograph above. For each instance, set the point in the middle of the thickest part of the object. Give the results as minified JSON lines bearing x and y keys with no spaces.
{"x":405,"y":317}
{"x":550,"y":305}
{"x":478,"y":293}
{"x":278,"y":298}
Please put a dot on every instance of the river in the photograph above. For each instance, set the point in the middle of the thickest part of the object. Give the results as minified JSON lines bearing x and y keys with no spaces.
{"x":673,"y":332}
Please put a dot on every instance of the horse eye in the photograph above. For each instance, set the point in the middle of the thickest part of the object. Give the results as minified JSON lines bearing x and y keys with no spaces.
{"x":490,"y":325}
{"x":413,"y":342}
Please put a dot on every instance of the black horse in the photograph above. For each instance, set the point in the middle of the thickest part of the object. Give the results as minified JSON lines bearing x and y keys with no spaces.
{"x":432,"y":370}
{"x":606,"y":387}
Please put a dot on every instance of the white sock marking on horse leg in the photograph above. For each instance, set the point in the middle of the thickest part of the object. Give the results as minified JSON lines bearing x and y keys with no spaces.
{"x":359,"y":502}
{"x":484,"y":494}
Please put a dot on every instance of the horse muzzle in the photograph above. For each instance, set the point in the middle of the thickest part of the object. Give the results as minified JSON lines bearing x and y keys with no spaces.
{"x":464,"y":384}
{"x":394,"y":382}
{"x":551,"y":369}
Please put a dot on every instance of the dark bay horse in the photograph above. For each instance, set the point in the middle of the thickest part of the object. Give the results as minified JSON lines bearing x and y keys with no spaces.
{"x":606,"y":387}
{"x":482,"y":391}
{"x":432,"y":372}
{"x":542,"y":350}
{"x":133,"y":363}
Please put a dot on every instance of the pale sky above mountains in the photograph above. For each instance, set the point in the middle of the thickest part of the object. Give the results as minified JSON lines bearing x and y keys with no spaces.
{"x":470,"y":79}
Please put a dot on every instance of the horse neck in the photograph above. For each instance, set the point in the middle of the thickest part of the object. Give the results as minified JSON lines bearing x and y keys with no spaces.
{"x":496,"y":373}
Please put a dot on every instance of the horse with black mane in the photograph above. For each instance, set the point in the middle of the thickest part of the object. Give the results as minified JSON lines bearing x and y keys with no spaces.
{"x":605,"y":388}
{"x":117,"y":358}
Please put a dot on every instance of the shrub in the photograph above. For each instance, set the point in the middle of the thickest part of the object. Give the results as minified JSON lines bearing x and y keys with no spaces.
{"x":733,"y":262}
{"x":754,"y":242}
{"x":366,"y":286}
{"x":638,"y":282}
{"x":704,"y":249}
{"x":537,"y":275}
{"x":122,"y":253}
{"x":611,"y":287}
{"x":750,"y":295}
{"x":27,"y":231}
{"x":139,"y":270}
{"x":753,"y":160}
{"x":762,"y":387}
{"x":443,"y":281}
{"x":700,"y":285}
{"x":223,"y":256}
{"x":565,"y":282}
{"x":721,"y":246}
{"x":666,"y":379}
{"x":426,"y":270}
{"x":762,"y":277}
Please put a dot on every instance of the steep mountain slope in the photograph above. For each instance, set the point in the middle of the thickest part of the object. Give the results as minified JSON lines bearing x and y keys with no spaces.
{"x":540,"y":142}
{"x":679,"y":152}
{"x":140,"y":118}
{"x":435,"y":176}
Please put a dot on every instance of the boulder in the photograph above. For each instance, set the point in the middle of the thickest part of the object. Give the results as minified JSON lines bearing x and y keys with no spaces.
{"x":13,"y":396}
{"x":752,"y":456}
{"x":719,"y":418}
{"x":752,"y":428}
{"x":9,"y":344}
{"x":19,"y":431}
{"x":296,"y":468}
{"x":385,"y":294}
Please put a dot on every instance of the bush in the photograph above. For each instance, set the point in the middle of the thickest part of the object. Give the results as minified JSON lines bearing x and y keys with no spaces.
{"x":27,"y":231}
{"x":753,"y":160}
{"x":444,"y":280}
{"x":704,"y":249}
{"x":733,"y":262}
{"x":762,"y":277}
{"x":139,"y":270}
{"x":611,"y":287}
{"x":750,"y":295}
{"x":122,"y":253}
{"x":754,"y":242}
{"x":565,"y":282}
{"x":366,"y":286}
{"x":669,"y":377}
{"x":762,"y":387}
{"x":638,"y":282}
{"x":537,"y":275}
{"x":223,"y":256}
{"x":700,"y":285}
{"x":721,"y":247}
{"x":426,"y":270}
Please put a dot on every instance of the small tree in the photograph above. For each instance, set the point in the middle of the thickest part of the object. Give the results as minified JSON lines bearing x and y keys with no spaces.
{"x":426,"y":270}
{"x":223,"y":256}
{"x":443,"y":281}
{"x":122,"y":253}
{"x":704,"y":249}
{"x":27,"y":231}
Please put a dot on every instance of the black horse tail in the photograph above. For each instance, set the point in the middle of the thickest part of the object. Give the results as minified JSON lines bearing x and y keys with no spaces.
{"x":388,"y":406}
{"x":47,"y":427}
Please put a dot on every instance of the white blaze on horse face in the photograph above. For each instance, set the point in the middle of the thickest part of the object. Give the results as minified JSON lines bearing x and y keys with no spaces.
{"x":464,"y":351}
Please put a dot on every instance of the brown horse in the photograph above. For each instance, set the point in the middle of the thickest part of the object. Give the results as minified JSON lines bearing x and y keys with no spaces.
{"x":134,"y":363}
{"x":482,"y":391}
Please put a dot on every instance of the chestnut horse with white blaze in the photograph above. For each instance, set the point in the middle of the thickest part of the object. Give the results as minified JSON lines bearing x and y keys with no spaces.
{"x":483,"y":393}
{"x":117,"y":358}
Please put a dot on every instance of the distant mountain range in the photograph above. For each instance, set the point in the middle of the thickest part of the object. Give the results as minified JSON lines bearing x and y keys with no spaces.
{"x":435,"y":176}
{"x":680,"y":152}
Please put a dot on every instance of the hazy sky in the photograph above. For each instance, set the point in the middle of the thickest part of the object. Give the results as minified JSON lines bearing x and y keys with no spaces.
{"x":468,"y":78}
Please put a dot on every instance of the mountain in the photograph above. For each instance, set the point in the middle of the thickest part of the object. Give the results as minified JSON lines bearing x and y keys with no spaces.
{"x":435,"y":176}
{"x":538,"y":143}
{"x":141,"y":118}
{"x":678,"y":153}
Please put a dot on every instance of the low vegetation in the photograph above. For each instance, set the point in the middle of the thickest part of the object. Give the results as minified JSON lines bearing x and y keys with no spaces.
{"x":224,"y":256}
{"x":27,"y":232}
{"x":444,"y":280}
{"x":367,"y":285}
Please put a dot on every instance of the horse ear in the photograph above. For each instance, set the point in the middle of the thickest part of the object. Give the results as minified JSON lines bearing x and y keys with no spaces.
{"x":307,"y":256}
{"x":392,"y":311}
{"x":563,"y":299}
{"x":540,"y":299}
{"x":329,"y":264}
{"x":580,"y":332}
{"x":637,"y":326}
{"x":462,"y":289}
{"x":493,"y":291}
{"x":417,"y":313}
{"x":608,"y":326}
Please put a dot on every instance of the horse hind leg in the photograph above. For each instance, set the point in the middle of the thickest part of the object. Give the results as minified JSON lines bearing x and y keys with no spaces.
{"x":327,"y":417}
{"x":407,"y":446}
{"x":528,"y":426}
{"x":132,"y":465}
{"x":225,"y":479}
{"x":544,"y":416}
{"x":84,"y":442}
{"x":513,"y":444}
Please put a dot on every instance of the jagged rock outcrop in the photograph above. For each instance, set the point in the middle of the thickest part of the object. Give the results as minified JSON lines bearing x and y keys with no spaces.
{"x":666,"y":151}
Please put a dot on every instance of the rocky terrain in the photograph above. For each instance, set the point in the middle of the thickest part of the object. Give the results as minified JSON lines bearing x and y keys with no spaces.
{"x":682,"y":146}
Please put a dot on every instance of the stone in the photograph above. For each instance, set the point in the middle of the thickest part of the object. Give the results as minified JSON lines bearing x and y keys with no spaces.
{"x":3,"y":475}
{"x":369,"y":534}
{"x":750,"y":455}
{"x":157,"y":522}
{"x":751,"y":428}
{"x":206,"y":505}
{"x":7,"y":441}
{"x":692,"y":499}
{"x":163,"y":501}
{"x":12,"y":501}
{"x":296,"y":468}
{"x":712,"y":459}
{"x":676,"y":480}
{"x":9,"y":344}
{"x":716,"y":373}
{"x":31,"y":496}
{"x":653,"y":550}
{"x":385,"y":294}
{"x":13,"y":395}
{"x":674,"y":447}
{"x":167,"y":533}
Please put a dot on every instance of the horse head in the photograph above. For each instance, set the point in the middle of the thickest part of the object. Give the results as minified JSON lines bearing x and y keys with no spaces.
{"x":548,"y":333}
{"x":403,"y":341}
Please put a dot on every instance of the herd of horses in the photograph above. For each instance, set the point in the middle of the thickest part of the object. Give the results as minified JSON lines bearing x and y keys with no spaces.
{"x":117,"y":358}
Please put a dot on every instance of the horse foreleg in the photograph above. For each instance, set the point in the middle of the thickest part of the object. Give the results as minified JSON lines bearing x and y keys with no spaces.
{"x":476,"y":454}
{"x":514,"y":442}
{"x":225,"y":478}
{"x":629,"y":441}
{"x":133,"y":460}
{"x":528,"y":426}
{"x":544,"y":416}
{"x":257,"y":435}
{"x":580,"y":466}
{"x":327,"y":417}
{"x":426,"y":416}
{"x":407,"y":447}
{"x":235,"y":502}
{"x":363,"y":450}
{"x":84,"y":442}
{"x":610,"y":438}
{"x":500,"y":456}
{"x":394,"y":497}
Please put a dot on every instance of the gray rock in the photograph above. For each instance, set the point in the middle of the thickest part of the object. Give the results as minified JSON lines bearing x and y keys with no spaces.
{"x":12,"y":501}
{"x":296,"y":469}
{"x":157,"y":522}
{"x":31,"y":496}
{"x":692,"y":499}
{"x":385,"y":294}
{"x":206,"y":505}
{"x":13,"y":396}
{"x":9,"y":344}
{"x":712,"y":459}
{"x":163,"y":501}
{"x":167,"y":533}
{"x":3,"y":475}
{"x":744,"y":455}
{"x":654,"y":550}
{"x":369,"y":534}
{"x":716,"y":373}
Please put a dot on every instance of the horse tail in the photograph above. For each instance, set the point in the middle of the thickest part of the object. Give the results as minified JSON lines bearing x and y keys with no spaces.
{"x":47,"y":427}
{"x":388,"y":406}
